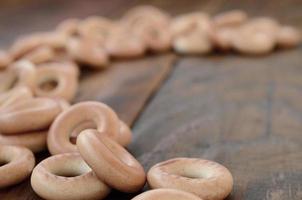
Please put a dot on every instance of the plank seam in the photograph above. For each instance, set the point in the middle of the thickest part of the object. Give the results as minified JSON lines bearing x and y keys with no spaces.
{"x":157,"y":88}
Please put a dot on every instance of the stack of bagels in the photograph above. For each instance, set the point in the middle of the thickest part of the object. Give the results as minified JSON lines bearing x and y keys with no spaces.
{"x":39,"y":79}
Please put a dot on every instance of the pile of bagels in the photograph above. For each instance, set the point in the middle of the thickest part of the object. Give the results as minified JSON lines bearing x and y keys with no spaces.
{"x":95,"y":41}
{"x":87,"y":141}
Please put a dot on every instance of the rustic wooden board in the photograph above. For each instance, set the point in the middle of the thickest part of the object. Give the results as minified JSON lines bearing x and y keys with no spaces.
{"x":127,"y":85}
{"x":244,"y":113}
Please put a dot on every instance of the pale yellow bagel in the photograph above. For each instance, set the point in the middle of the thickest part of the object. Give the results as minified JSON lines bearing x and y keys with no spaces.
{"x":206,"y":179}
{"x":229,"y":19}
{"x":18,"y":163}
{"x":28,"y":43}
{"x":166,"y":194}
{"x":68,"y":27}
{"x":184,"y":24}
{"x":35,"y":141}
{"x":155,"y":36}
{"x":288,"y":37}
{"x":63,"y":75}
{"x":124,"y":137}
{"x":28,"y":115}
{"x":125,"y":134}
{"x":257,"y":36}
{"x":14,"y":96}
{"x":21,"y":73}
{"x":191,"y":33}
{"x":63,"y":104}
{"x":123,"y":43}
{"x":224,"y":28}
{"x":253,"y":43}
{"x":5,"y":59}
{"x":150,"y":24}
{"x":222,"y":38}
{"x":146,"y":13}
{"x":110,"y":161}
{"x":67,"y":177}
{"x":40,"y":55}
{"x":95,"y":27}
{"x":88,"y":52}
{"x":103,"y":118}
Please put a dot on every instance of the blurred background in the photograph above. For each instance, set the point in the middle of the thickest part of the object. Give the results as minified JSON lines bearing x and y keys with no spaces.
{"x":19,"y":17}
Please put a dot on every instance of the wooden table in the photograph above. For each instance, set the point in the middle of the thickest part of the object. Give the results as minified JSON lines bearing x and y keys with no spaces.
{"x":243,"y":112}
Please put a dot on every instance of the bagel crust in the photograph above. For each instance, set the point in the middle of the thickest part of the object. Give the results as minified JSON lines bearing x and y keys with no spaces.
{"x":206,"y":179}
{"x":18,"y":162}
{"x":67,"y":177}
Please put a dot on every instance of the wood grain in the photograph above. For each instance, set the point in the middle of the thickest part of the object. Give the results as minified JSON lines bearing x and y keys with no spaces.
{"x":127,"y":85}
{"x":245,"y":113}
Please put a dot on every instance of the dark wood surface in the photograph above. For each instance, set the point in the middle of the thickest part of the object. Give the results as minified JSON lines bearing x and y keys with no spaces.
{"x":127,"y":85}
{"x":243,"y":112}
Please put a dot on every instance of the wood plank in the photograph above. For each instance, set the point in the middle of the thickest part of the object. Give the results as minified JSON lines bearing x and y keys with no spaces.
{"x":229,"y":109}
{"x":127,"y":86}
{"x":245,"y":113}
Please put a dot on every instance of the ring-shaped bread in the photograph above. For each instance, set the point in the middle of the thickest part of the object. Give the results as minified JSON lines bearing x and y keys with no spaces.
{"x":72,"y":120}
{"x":67,"y":177}
{"x":206,"y":179}
{"x":110,"y":161}
{"x":16,"y":164}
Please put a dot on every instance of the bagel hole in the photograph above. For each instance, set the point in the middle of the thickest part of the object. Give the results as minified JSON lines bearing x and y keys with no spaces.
{"x":3,"y":162}
{"x":196,"y":173}
{"x":48,"y":85}
{"x":79,"y":128}
{"x":72,"y":167}
{"x":68,"y":174}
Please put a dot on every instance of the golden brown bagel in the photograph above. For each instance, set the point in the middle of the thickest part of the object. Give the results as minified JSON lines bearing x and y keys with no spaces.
{"x":229,"y":19}
{"x":35,"y":141}
{"x":28,"y":115}
{"x":21,"y":73}
{"x":191,"y":33}
{"x":28,"y":43}
{"x":110,"y":161}
{"x":96,"y":28}
{"x":88,"y":52}
{"x":123,"y":43}
{"x":18,"y":163}
{"x":14,"y":96}
{"x":67,"y":177}
{"x":62,"y":75}
{"x":5,"y":59}
{"x":257,"y":36}
{"x":288,"y":37}
{"x":102,"y":117}
{"x":40,"y":55}
{"x":206,"y":179}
